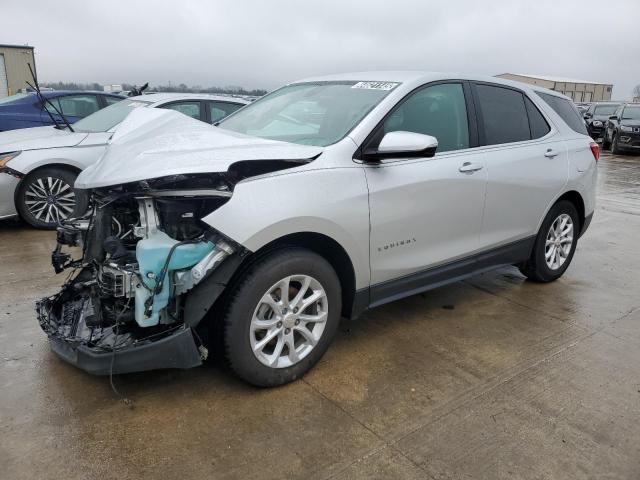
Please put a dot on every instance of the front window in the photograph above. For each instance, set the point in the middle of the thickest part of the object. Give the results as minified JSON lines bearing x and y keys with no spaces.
{"x":107,"y":118}
{"x":317,"y":114}
{"x":605,"y":110}
{"x":439,"y":111}
{"x":631,"y":113}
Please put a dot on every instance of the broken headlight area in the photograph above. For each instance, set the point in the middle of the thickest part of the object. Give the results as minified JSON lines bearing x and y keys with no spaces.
{"x":144,"y":251}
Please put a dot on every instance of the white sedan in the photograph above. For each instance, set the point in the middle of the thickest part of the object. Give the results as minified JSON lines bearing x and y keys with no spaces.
{"x":38,"y":166}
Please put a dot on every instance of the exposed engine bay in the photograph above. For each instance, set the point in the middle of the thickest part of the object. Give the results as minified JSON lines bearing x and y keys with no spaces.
{"x":143,"y":252}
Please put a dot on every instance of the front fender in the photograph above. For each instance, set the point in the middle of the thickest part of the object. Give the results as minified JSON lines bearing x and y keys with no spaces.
{"x":332,"y":202}
{"x":75,"y":157}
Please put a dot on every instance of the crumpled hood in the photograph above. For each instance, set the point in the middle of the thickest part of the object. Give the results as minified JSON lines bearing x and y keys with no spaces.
{"x":153,"y":143}
{"x":38,"y":138}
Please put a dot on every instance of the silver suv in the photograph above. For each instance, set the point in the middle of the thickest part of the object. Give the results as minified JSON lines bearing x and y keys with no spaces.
{"x":318,"y":201}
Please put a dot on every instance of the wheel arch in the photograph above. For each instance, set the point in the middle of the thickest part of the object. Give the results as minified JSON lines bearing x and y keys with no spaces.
{"x":576,"y":199}
{"x":326,"y":247}
{"x":65,"y":165}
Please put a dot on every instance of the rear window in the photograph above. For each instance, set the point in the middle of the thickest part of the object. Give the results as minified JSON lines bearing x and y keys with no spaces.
{"x":504,"y":115}
{"x":566,"y":110}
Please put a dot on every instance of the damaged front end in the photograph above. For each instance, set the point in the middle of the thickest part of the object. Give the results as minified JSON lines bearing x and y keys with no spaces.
{"x":148,"y":272}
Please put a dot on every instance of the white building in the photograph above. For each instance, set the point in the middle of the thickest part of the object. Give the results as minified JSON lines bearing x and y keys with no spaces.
{"x":578,"y":90}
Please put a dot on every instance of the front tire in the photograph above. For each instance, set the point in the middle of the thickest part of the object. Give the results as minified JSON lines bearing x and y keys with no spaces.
{"x":605,"y":143}
{"x":46,"y":197}
{"x":615,"y":148}
{"x":555,"y":244}
{"x":281,"y":316}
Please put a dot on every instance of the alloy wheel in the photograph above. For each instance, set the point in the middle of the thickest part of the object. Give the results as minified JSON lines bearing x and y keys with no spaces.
{"x":559,"y":241}
{"x":288,"y":321}
{"x":50,"y":199}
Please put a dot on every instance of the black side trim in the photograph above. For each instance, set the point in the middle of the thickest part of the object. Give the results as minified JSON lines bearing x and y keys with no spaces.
{"x":203,"y":296}
{"x":418,"y":282}
{"x":177,"y":350}
{"x":587,"y":222}
{"x":361,"y":300}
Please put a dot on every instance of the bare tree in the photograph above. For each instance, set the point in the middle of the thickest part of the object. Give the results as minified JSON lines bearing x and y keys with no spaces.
{"x":636,"y":92}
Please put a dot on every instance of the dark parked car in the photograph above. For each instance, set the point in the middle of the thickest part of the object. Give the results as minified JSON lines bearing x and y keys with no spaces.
{"x":583,"y":107}
{"x":596,"y":117}
{"x":25,"y":110}
{"x":622,"y":131}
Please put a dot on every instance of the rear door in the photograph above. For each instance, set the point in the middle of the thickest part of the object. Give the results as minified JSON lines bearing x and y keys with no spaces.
{"x":527,"y":163}
{"x":425,"y":212}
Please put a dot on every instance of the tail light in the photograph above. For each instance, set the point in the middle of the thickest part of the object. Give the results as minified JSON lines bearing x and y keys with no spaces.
{"x":595,"y":150}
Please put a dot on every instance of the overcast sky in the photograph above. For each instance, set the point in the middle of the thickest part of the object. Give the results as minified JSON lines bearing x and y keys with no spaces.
{"x":263,"y":44}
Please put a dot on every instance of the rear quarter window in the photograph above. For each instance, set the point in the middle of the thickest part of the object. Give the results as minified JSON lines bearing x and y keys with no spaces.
{"x":566,"y":110}
{"x":537,"y":124}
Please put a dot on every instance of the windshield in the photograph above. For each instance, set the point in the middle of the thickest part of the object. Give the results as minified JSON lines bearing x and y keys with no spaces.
{"x":631,"y":113}
{"x":605,"y":109}
{"x":316,"y":114}
{"x":107,"y":118}
{"x":14,"y":98}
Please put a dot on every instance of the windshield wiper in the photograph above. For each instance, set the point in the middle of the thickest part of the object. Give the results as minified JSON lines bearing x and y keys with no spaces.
{"x":44,"y":100}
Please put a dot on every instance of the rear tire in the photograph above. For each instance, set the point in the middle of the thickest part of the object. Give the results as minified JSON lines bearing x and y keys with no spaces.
{"x":555,"y":244}
{"x":271,"y":335}
{"x":46,"y":196}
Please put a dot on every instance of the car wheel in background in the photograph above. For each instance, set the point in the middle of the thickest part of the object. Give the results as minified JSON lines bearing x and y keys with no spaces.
{"x":46,"y":197}
{"x":281,"y":316}
{"x":555,"y":244}
{"x":615,"y":149}
{"x":605,"y":143}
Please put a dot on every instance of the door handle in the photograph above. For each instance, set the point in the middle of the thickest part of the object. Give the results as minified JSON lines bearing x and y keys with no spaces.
{"x":470,"y":167}
{"x":551,"y":153}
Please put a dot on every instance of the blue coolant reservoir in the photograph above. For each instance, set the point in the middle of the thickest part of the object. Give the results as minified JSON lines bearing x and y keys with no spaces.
{"x":152,"y":253}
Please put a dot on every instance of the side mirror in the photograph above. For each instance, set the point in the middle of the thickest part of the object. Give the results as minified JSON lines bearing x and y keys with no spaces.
{"x":588,"y":115}
{"x":613,"y":117}
{"x":404,"y":145}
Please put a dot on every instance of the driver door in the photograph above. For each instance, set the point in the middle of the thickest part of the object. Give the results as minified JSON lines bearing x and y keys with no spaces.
{"x":426,"y":213}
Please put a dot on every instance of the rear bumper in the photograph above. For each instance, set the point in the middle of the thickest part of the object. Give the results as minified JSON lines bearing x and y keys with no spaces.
{"x":8,"y":185}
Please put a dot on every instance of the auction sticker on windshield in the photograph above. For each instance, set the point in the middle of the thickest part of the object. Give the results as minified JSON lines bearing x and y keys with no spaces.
{"x":376,"y":85}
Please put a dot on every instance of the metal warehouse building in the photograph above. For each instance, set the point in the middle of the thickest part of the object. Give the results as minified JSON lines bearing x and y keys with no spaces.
{"x":578,"y":90}
{"x":14,"y":70}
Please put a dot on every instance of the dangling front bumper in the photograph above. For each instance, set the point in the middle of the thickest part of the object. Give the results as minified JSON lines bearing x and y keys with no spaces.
{"x":174,"y":348}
